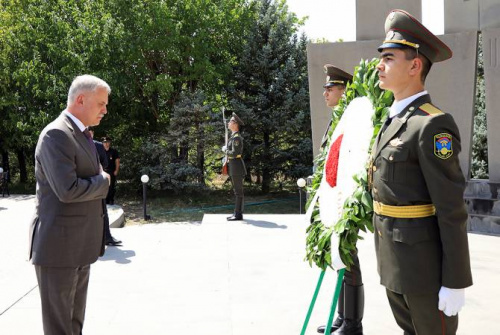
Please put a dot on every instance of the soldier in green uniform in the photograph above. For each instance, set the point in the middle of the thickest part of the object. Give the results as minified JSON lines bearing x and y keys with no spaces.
{"x":336,"y":82}
{"x":420,"y":218}
{"x":351,"y":299}
{"x":237,"y":169}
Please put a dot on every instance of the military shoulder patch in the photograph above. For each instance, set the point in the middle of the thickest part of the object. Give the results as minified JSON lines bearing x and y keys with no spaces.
{"x":443,"y":145}
{"x":430,"y":109}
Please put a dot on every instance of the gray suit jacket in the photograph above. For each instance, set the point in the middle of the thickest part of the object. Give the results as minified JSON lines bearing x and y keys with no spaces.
{"x":67,"y":230}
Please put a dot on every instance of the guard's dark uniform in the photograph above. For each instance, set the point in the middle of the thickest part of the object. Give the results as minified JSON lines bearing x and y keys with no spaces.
{"x":420,"y":217}
{"x":237,"y":169}
{"x":351,"y":299}
{"x":111,"y":156}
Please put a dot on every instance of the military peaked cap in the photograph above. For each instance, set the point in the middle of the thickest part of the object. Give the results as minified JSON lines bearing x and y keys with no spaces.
{"x":237,"y":119}
{"x":403,"y":30}
{"x":106,"y":139}
{"x":336,"y":76}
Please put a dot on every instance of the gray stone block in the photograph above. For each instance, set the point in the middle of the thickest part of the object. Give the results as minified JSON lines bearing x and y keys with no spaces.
{"x":466,"y":15}
{"x":116,"y":216}
{"x":371,"y":15}
{"x":484,"y":224}
{"x":491,"y":52}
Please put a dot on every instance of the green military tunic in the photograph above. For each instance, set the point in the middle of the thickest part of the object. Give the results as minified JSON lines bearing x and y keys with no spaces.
{"x":237,"y":169}
{"x":416,"y":163}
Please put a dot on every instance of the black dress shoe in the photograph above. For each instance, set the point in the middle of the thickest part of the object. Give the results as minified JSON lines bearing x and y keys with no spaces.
{"x":350,"y":327}
{"x":235,"y":217}
{"x":113,"y":242}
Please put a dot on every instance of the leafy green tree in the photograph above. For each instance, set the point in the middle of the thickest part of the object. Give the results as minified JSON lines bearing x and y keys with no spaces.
{"x":167,"y":50}
{"x":44,"y":44}
{"x":270,"y":93}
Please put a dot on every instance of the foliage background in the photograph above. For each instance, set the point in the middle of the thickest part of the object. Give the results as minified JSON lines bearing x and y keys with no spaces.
{"x":171,"y":65}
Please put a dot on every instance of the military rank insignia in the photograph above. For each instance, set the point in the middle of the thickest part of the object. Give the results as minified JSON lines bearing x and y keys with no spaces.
{"x":443,"y":145}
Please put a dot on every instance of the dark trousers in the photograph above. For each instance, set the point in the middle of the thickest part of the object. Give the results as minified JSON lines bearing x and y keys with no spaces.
{"x":110,"y":198}
{"x":238,"y":193}
{"x":107,"y":231}
{"x":63,"y":292}
{"x":419,"y":314}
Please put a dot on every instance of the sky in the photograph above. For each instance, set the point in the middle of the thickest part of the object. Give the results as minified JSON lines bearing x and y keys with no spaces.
{"x":341,"y":15}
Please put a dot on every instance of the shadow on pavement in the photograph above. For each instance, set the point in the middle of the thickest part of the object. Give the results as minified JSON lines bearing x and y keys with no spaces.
{"x":264,"y":224}
{"x":118,"y":255}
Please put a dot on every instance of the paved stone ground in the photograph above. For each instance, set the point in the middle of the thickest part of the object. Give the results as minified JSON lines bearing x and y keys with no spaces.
{"x":215,"y":277}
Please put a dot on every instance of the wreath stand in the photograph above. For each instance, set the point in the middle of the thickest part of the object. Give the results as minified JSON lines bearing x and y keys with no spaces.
{"x":340,"y":278}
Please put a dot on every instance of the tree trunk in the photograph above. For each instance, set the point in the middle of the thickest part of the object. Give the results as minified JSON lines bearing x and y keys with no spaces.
{"x":5,"y":162}
{"x":23,"y":174}
{"x":266,"y":172}
{"x":200,"y":154}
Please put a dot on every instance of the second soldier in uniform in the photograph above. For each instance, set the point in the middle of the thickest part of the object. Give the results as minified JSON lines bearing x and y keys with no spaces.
{"x":237,"y":169}
{"x":351,"y":299}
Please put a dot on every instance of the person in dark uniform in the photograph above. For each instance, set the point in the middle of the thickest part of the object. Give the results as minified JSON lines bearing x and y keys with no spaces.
{"x":336,"y":82}
{"x":103,"y":159}
{"x":351,"y":300}
{"x":236,"y":165}
{"x":420,"y":217}
{"x":113,"y":158}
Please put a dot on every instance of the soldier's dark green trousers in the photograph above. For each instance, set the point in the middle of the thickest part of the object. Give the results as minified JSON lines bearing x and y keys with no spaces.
{"x":419,"y":314}
{"x":238,"y":193}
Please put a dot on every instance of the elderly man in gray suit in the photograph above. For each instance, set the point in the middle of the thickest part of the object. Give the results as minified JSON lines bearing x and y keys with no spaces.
{"x":66,"y":235}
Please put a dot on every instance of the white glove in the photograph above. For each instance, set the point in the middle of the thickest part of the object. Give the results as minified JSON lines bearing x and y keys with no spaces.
{"x":224,"y":149}
{"x":451,"y":300}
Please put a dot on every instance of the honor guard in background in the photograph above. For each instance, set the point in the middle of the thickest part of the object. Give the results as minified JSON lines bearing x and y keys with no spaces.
{"x":237,"y":169}
{"x":351,"y":300}
{"x":113,"y":167}
{"x":336,"y":82}
{"x":420,"y":217}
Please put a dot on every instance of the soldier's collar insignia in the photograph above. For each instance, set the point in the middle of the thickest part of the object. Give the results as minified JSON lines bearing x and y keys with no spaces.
{"x":443,"y":145}
{"x":396,"y":142}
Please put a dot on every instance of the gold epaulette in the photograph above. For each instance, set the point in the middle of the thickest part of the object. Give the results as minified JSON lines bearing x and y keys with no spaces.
{"x":430,"y":109}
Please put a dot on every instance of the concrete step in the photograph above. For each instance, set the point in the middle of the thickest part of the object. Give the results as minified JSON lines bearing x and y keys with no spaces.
{"x":490,"y":207}
{"x":482,"y":189}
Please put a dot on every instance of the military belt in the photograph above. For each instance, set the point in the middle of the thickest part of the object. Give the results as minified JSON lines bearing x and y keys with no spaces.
{"x":404,"y":212}
{"x":239,"y":156}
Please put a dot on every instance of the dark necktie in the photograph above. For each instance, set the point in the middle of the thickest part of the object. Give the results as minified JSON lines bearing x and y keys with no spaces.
{"x":91,"y":142}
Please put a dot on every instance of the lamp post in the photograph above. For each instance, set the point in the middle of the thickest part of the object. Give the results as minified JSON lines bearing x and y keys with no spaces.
{"x":301,"y":182}
{"x":145,"y":180}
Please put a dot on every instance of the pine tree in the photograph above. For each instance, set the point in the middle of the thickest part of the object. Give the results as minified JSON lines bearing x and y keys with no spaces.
{"x":270,"y":94}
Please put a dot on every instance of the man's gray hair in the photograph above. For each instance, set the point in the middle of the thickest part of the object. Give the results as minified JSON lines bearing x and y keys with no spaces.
{"x":85,"y":83}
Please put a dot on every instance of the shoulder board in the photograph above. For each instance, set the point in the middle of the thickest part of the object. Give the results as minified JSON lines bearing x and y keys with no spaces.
{"x":236,"y":135}
{"x":430,"y":109}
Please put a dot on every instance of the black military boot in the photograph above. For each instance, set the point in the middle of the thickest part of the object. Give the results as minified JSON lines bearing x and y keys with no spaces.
{"x":236,"y":217}
{"x":337,"y":323}
{"x":354,"y":306}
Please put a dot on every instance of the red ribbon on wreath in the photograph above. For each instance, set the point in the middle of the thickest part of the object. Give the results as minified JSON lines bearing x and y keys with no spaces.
{"x":332,"y":164}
